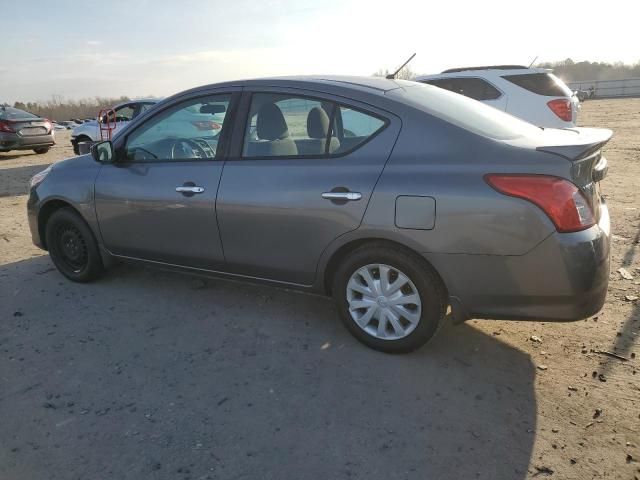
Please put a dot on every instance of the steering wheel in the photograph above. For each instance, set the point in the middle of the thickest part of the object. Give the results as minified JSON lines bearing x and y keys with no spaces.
{"x":185,"y":144}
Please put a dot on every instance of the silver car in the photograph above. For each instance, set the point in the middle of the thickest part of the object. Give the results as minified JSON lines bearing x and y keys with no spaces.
{"x":400,"y":200}
{"x":20,"y":130}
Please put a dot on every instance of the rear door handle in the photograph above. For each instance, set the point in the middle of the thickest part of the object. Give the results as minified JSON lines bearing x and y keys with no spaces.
{"x":345,"y":196}
{"x":189,"y":189}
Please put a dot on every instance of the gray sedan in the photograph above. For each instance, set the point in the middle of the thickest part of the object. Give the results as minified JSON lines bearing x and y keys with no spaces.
{"x":20,"y":130}
{"x":400,"y":200}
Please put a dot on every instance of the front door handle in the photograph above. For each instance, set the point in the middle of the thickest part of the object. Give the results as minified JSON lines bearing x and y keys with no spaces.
{"x":190,"y":189}
{"x":345,"y":196}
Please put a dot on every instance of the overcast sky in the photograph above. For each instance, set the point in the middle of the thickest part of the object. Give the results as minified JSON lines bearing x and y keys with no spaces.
{"x":157,"y":47}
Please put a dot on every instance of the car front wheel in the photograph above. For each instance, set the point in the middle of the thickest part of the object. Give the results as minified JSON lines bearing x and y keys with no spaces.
{"x":389,"y":299}
{"x":41,"y":150}
{"x":72,"y":246}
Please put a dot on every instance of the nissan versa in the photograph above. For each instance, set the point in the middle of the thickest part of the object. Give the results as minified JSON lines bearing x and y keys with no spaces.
{"x":399,"y":199}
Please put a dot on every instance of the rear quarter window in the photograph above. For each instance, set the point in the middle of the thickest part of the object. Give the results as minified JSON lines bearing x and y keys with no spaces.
{"x":545,"y":84}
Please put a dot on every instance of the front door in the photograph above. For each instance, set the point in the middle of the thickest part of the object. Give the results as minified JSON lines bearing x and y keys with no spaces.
{"x":304,"y":176}
{"x":158,"y":201}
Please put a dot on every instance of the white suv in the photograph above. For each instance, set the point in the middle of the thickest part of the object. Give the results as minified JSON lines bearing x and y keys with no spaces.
{"x":533,"y":94}
{"x":125,"y":112}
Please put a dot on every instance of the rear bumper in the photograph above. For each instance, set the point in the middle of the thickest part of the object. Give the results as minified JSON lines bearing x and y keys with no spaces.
{"x":13,"y":141}
{"x":564,"y":278}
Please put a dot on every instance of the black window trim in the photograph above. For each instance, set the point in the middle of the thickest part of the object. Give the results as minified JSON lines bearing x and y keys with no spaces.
{"x":222,"y":150}
{"x":329,"y":98}
{"x":456,"y":77}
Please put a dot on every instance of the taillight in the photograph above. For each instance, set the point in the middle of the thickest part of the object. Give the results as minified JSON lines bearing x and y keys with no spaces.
{"x":6,"y":127}
{"x":560,"y":199}
{"x":47,"y":124}
{"x":562,"y":108}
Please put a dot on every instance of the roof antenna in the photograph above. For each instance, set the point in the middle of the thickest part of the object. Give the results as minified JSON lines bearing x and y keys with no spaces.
{"x":534,"y":61}
{"x":392,"y":76}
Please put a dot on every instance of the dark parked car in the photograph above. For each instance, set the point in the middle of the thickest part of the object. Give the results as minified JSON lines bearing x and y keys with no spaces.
{"x":398,"y":199}
{"x":20,"y":130}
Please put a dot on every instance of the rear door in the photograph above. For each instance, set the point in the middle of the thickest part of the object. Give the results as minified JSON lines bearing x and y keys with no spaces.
{"x":157,"y":202}
{"x":280,"y":201}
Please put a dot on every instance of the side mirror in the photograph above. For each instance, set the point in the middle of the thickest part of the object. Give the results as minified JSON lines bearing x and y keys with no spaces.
{"x":102,"y":151}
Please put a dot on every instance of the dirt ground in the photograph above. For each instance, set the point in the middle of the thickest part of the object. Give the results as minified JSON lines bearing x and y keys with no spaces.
{"x":148,"y":374}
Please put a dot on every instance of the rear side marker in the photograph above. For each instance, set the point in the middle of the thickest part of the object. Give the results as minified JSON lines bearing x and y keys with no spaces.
{"x":560,"y":199}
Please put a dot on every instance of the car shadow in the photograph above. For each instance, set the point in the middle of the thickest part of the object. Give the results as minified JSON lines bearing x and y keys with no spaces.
{"x":17,"y":154}
{"x":149,"y":374}
{"x":14,"y":181}
{"x":626,"y":337}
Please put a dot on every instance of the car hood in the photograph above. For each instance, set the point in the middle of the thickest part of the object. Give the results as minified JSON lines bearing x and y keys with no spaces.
{"x":82,"y":161}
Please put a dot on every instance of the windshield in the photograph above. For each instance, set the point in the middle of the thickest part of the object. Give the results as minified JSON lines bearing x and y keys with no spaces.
{"x":10,"y":113}
{"x":464,"y":112}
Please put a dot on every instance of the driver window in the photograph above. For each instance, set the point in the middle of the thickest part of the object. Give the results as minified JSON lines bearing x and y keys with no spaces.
{"x":188,"y":131}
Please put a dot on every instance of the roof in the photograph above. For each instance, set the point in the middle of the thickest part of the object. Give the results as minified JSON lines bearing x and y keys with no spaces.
{"x":488,"y":67}
{"x":329,"y":82}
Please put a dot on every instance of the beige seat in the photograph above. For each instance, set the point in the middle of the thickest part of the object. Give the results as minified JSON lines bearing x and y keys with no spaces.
{"x":273,"y":134}
{"x":317,"y":130}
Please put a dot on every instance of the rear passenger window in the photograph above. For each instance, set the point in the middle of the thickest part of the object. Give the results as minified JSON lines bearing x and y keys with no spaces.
{"x":291,"y":126}
{"x":471,"y":87}
{"x":545,"y":84}
{"x":287,"y":126}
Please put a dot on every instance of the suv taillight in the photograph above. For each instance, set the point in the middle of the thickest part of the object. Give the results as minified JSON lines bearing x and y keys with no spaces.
{"x":562,"y":108}
{"x":6,"y":127}
{"x":560,"y":199}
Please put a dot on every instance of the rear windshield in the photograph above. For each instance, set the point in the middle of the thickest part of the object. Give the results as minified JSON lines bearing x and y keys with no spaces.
{"x":10,"y":113}
{"x":464,"y":112}
{"x":546,"y":84}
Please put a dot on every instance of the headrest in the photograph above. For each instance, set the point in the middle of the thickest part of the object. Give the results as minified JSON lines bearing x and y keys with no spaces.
{"x":271,"y":123}
{"x":317,"y":123}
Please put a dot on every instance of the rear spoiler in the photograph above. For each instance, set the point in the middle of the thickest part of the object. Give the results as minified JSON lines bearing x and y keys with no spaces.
{"x":587,"y":141}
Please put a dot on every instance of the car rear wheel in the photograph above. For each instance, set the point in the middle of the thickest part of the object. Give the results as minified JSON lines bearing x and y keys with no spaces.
{"x":72,"y":246}
{"x":389,"y":299}
{"x":41,"y":150}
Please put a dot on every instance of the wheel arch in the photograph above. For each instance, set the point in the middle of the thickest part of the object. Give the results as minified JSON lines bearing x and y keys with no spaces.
{"x":45,"y":213}
{"x":344,"y":250}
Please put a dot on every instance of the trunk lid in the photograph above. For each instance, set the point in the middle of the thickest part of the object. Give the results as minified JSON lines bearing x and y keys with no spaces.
{"x":583,"y":148}
{"x":30,"y":127}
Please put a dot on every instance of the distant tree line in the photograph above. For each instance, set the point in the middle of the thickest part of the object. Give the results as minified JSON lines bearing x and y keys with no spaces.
{"x":60,"y":109}
{"x":404,"y":74}
{"x":571,"y":71}
{"x":568,"y":70}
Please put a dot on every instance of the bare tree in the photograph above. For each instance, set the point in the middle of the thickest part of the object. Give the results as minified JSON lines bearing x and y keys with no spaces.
{"x":405,"y":74}
{"x":57,"y":108}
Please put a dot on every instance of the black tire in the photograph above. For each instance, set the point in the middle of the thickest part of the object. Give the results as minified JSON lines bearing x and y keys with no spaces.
{"x":72,"y":246}
{"x":427,"y":283}
{"x":41,"y":150}
{"x":76,"y":145}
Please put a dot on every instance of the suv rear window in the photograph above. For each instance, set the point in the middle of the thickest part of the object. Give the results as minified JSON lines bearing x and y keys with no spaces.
{"x":471,"y":87}
{"x":545,"y":84}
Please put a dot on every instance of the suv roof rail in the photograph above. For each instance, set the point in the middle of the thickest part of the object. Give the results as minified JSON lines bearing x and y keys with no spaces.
{"x":488,"y":67}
